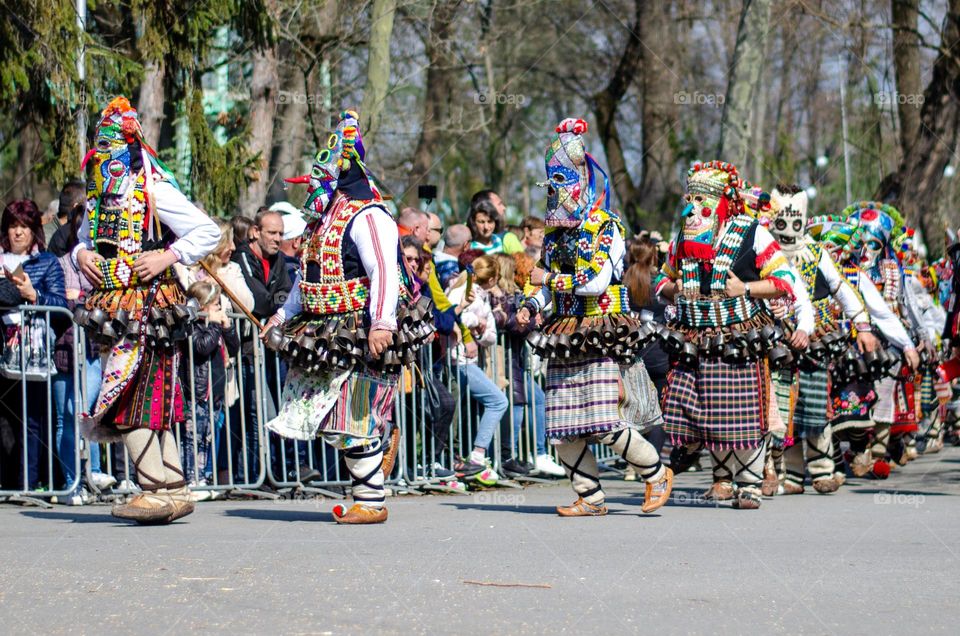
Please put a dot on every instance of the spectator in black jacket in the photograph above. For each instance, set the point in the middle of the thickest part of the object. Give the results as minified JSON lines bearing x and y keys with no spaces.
{"x":263,"y":266}
{"x":267,"y":276}
{"x":214,"y":342}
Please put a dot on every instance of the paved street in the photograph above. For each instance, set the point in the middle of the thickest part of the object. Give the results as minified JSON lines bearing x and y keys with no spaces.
{"x":878,"y":557}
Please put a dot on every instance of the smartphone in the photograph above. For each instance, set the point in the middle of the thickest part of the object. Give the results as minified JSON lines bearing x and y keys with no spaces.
{"x":469,"y":288}
{"x":427,"y":192}
{"x":18,"y":272}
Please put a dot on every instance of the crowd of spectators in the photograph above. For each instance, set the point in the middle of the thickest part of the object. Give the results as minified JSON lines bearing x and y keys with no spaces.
{"x":478,"y":371}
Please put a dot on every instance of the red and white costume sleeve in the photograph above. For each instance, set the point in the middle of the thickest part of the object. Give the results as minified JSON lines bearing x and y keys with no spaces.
{"x":376,"y":236}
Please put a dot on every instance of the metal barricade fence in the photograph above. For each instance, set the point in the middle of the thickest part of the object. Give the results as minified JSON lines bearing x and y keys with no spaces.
{"x":224,"y":443}
{"x":34,"y":430}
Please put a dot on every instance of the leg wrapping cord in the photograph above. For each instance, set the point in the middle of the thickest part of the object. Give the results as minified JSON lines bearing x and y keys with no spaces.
{"x":637,"y":452}
{"x":722,"y":465}
{"x":793,"y":462}
{"x":170,"y":452}
{"x":819,"y":450}
{"x":364,"y":464}
{"x":581,"y":467}
{"x":144,"y":447}
{"x":749,"y":466}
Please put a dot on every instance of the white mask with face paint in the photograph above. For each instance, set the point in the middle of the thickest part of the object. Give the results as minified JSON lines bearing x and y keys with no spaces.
{"x":789,"y":224}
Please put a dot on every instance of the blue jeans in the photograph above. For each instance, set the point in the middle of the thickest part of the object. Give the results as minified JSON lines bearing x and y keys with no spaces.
{"x":490,"y":397}
{"x":65,"y":414}
{"x":536,"y":408}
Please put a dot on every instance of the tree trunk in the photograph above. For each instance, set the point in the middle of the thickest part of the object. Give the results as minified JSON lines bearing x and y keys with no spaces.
{"x":914,"y":186}
{"x":378,"y":68}
{"x":659,"y":117}
{"x":263,"y":107}
{"x":291,"y":135}
{"x":151,"y":101}
{"x":606,"y":103}
{"x":437,"y":99}
{"x":906,"y":64}
{"x":736,"y":140}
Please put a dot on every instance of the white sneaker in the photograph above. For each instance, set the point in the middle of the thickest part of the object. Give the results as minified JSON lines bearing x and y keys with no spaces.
{"x":77,"y":498}
{"x":127,"y":485}
{"x":545,"y":465}
{"x":102,"y":481}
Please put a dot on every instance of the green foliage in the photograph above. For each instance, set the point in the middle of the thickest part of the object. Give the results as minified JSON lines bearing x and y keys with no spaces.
{"x":218,"y":172}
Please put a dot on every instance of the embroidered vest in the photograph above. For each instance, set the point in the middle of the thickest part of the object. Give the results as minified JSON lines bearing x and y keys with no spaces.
{"x":574,"y":251}
{"x":719,"y":310}
{"x":334,"y":293}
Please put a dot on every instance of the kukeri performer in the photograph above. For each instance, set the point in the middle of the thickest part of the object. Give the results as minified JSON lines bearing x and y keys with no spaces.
{"x":351,"y":321}
{"x":720,"y":268}
{"x":833,"y":298}
{"x":138,"y":224}
{"x":859,"y":240}
{"x":589,"y":332}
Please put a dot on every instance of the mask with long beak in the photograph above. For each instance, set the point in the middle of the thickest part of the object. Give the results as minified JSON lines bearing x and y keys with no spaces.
{"x":344,"y":148}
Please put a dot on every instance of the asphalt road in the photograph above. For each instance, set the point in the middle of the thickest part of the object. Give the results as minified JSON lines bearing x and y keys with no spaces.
{"x":877,"y":557}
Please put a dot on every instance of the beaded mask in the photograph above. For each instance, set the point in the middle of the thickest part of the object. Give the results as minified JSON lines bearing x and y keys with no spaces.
{"x":878,"y":224}
{"x":343,"y":150}
{"x":109,"y":159}
{"x":712,"y":197}
{"x":572,"y":177}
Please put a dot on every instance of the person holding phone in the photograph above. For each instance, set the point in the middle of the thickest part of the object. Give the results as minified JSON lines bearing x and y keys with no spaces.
{"x":31,"y":276}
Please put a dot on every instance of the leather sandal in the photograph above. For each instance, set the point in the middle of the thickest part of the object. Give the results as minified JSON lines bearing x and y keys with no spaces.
{"x":144,"y":511}
{"x":719,"y":491}
{"x":359,"y":514}
{"x":658,"y":493}
{"x":581,"y":508}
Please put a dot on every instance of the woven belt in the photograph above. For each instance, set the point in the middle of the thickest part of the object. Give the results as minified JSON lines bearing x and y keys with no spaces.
{"x":716,"y":313}
{"x":615,"y":300}
{"x":335,"y":298}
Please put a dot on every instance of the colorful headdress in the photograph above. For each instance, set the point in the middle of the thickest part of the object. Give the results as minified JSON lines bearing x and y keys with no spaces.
{"x":713,"y":196}
{"x":341,"y":161}
{"x":117,"y":139}
{"x":572,"y":177}
{"x":864,"y":229}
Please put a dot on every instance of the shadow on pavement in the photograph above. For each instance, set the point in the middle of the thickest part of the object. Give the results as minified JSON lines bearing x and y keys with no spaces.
{"x":75,"y":517}
{"x":522,"y":509}
{"x":280,"y":515}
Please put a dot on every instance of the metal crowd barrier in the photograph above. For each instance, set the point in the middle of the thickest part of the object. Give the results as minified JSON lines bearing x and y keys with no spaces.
{"x":29,"y":416}
{"x":224,"y":444}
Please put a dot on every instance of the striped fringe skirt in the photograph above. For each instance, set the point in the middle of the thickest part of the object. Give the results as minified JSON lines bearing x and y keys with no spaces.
{"x":720,"y":405}
{"x":583,"y":398}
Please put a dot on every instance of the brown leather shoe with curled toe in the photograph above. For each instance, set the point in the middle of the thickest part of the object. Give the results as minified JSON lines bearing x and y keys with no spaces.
{"x":658,"y":493}
{"x":144,"y":509}
{"x":358,"y":514}
{"x":826,"y":485}
{"x":792,"y":488}
{"x":581,"y":508}
{"x":771,"y":483}
{"x":719,"y":491}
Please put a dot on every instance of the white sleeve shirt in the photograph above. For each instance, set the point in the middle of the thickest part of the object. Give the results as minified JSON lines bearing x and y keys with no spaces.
{"x":197,"y":234}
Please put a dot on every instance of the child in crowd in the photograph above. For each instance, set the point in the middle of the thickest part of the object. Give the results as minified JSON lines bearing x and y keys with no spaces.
{"x":480,"y":276}
{"x":214,"y":342}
